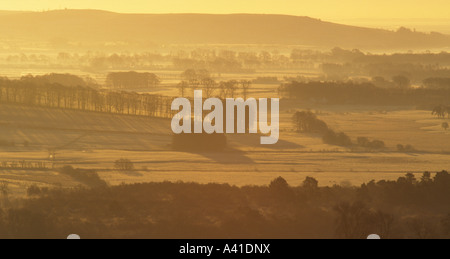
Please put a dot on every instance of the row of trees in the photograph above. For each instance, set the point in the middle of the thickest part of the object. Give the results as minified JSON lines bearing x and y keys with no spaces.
{"x":307,"y":122}
{"x":27,"y":91}
{"x":22,"y":164}
{"x":441,"y":111}
{"x":87,"y":177}
{"x":362,"y":94}
{"x":437,"y":82}
{"x":61,"y":79}
{"x":201,"y":79}
{"x":408,"y":207}
{"x":417,"y":66}
{"x":132,"y":80}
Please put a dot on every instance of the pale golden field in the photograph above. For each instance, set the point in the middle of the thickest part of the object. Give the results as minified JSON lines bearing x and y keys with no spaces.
{"x":94,"y":141}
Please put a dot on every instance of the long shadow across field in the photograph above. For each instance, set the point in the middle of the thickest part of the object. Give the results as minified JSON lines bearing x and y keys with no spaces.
{"x":232,"y":155}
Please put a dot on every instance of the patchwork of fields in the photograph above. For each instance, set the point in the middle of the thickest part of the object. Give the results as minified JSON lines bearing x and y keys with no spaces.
{"x":95,"y":140}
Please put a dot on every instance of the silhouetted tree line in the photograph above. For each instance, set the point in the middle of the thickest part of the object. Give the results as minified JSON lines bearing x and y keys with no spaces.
{"x":201,"y":79}
{"x":219,"y":65}
{"x":307,"y":122}
{"x":230,"y":61}
{"x":31,"y":91}
{"x":441,"y":111}
{"x":341,"y":64}
{"x":99,"y":61}
{"x":211,"y":59}
{"x":244,"y":61}
{"x":194,"y":78}
{"x":123,"y":164}
{"x":442,"y":58}
{"x":339,"y":55}
{"x":86,"y":176}
{"x":405,"y":148}
{"x":132,"y":80}
{"x":90,"y":60}
{"x":370,"y":144}
{"x":61,"y":79}
{"x":266,"y":80}
{"x":23,"y":164}
{"x":362,"y":94}
{"x":437,"y":82}
{"x":337,"y":138}
{"x":405,"y":208}
{"x":415,"y":73}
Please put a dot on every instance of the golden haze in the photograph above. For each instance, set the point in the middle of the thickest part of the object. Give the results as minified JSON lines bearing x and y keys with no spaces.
{"x":325,"y":9}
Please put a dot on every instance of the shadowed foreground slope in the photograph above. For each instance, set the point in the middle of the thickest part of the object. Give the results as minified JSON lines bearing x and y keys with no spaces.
{"x":406,"y":208}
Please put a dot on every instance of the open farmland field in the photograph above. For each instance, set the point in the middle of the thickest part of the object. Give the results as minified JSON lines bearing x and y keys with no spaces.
{"x":95,"y":140}
{"x":104,"y":134}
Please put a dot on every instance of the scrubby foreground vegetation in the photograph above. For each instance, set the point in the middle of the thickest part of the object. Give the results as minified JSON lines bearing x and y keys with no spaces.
{"x":406,"y":208}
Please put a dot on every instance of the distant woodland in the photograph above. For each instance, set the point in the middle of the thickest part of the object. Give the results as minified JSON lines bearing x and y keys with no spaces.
{"x":72,"y":92}
{"x":406,"y":208}
{"x":337,"y":63}
{"x":364,"y":94}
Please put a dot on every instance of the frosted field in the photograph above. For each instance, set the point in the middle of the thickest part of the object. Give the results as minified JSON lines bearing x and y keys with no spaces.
{"x":94,"y":141}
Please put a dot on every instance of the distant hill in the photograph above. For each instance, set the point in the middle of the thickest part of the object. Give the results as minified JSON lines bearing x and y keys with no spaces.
{"x":11,"y":12}
{"x":101,"y":26}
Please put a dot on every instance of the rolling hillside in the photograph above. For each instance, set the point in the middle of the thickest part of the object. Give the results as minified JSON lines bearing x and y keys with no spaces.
{"x":101,"y":26}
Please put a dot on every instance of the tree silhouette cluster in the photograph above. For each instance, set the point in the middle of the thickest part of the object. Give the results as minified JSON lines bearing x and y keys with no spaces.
{"x":307,"y":122}
{"x":201,"y":79}
{"x":362,"y":94}
{"x":32,"y":91}
{"x":266,"y":80}
{"x":23,"y":164}
{"x":441,"y":111}
{"x":85,"y":176}
{"x":403,"y":208}
{"x":437,"y":82}
{"x":132,"y":80}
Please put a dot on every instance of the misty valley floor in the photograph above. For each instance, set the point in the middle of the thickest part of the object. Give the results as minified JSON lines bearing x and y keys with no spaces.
{"x":95,"y":140}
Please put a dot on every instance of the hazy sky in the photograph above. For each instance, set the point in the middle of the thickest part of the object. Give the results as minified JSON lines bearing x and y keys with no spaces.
{"x":324,"y":9}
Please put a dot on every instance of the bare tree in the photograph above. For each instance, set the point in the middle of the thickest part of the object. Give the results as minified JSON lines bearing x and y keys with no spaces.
{"x":245,"y":87}
{"x":439,"y":111}
{"x":223,"y":90}
{"x":191,"y":77}
{"x":209,"y":86}
{"x":4,"y":191}
{"x":402,"y":81}
{"x":231,"y":87}
{"x":182,"y":86}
